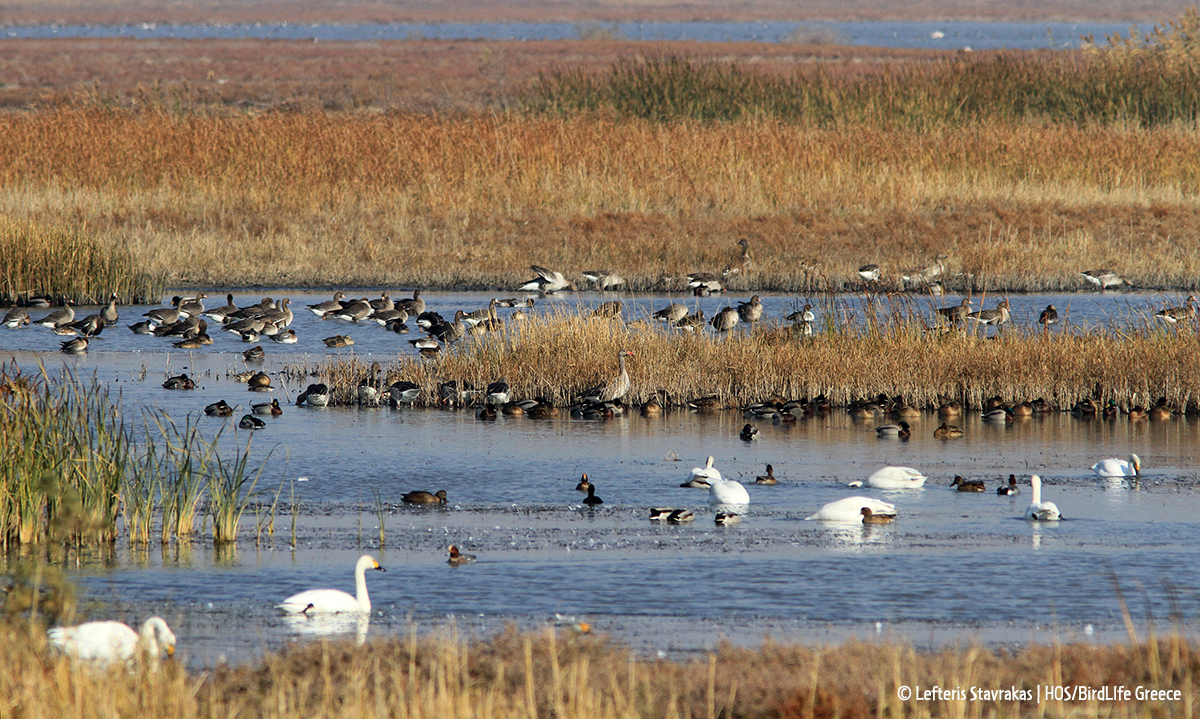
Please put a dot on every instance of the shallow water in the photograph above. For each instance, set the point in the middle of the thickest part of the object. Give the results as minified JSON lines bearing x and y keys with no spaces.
{"x":920,"y":34}
{"x":953,"y":566}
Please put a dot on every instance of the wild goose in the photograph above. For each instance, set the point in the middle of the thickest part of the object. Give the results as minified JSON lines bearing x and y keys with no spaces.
{"x":109,"y":313}
{"x":869,"y":273}
{"x":250,"y":312}
{"x":217,"y":314}
{"x":220,"y":408}
{"x":315,"y":395}
{"x":322,"y":308}
{"x":426,"y":344}
{"x":706,"y":282}
{"x":388,"y":317}
{"x":62,"y":316}
{"x":671,"y":313}
{"x":997,"y":315}
{"x":746,"y":259}
{"x":603,"y":279}
{"x":955,"y":314}
{"x":353,"y":311}
{"x":89,"y":326}
{"x":449,"y":332}
{"x":927,"y":274}
{"x":693,"y":322}
{"x":281,"y":315}
{"x":192,"y":306}
{"x":383,"y":304}
{"x":615,"y":388}
{"x":1103,"y":278}
{"x":404,"y":392}
{"x":15,"y":317}
{"x":165,"y":315}
{"x":414,"y":307}
{"x":750,"y":312}
{"x":370,"y":386}
{"x":547,"y":281}
{"x":725,"y":320}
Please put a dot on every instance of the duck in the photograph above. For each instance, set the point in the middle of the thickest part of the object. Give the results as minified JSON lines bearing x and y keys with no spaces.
{"x":404,"y":392}
{"x":950,"y":409}
{"x":1039,"y":510}
{"x":870,"y":517}
{"x":498,"y":392}
{"x":179,"y":382}
{"x":850,"y":510}
{"x":259,"y":382}
{"x":869,"y":272}
{"x":105,"y":642}
{"x":335,"y":601}
{"x":651,"y":408}
{"x":315,"y":395}
{"x":1000,"y":415}
{"x":422,"y":497}
{"x":286,"y":337}
{"x":591,"y":499}
{"x":967,"y":485}
{"x":254,"y":354}
{"x":679,"y":516}
{"x":338,"y":341}
{"x":947,"y":431}
{"x":486,"y":413}
{"x":272,"y":408}
{"x":748,"y":433}
{"x":1049,"y":316}
{"x":726,"y":491}
{"x":658,"y":514}
{"x":458,"y":558}
{"x":700,"y":477}
{"x":726,"y":519}
{"x":901,"y":430}
{"x":218,"y":409}
{"x":768,"y":478}
{"x":584,"y":485}
{"x":1118,"y":467}
{"x":251,"y":422}
{"x":896,"y":478}
{"x":1011,"y":488}
{"x":76,"y":346}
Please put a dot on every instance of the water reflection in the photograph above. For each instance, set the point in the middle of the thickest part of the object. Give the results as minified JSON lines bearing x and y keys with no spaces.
{"x":327,"y":625}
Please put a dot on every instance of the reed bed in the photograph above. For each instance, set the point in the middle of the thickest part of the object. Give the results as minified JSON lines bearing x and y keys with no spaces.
{"x":891,"y":351}
{"x":72,"y":464}
{"x":565,"y":675}
{"x":310,"y":199}
{"x":37,"y":260}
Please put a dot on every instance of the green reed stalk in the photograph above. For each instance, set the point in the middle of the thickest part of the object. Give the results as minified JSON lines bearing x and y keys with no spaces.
{"x":230,"y":492}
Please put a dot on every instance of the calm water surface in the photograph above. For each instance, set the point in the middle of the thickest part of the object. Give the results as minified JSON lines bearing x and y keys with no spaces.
{"x":953,"y":566}
{"x":922,"y":34}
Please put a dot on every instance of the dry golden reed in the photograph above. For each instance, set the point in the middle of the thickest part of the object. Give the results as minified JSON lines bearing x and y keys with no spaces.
{"x":568,"y":676}
{"x":315,"y":199}
{"x":557,"y":356}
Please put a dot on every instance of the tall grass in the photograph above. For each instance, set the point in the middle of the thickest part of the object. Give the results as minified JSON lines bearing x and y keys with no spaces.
{"x":65,"y":264}
{"x":557,"y":356}
{"x":544,"y":674}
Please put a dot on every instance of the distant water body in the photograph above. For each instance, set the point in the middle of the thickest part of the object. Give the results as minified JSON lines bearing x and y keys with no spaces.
{"x":931,"y":35}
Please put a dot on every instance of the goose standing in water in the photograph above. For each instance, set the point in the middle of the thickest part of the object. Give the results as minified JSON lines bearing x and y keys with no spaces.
{"x":113,"y":641}
{"x":1103,"y":278}
{"x":1118,"y":467}
{"x":109,"y":313}
{"x":1174,"y":315}
{"x":997,"y":315}
{"x":616,"y":388}
{"x":603,"y":279}
{"x":370,"y":386}
{"x":1039,"y":510}
{"x":671,"y":313}
{"x":750,"y":312}
{"x":18,"y":316}
{"x":62,"y":316}
{"x":335,"y":601}
{"x":956,"y":314}
{"x":725,"y":320}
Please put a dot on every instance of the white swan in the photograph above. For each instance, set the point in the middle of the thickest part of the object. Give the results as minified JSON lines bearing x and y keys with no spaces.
{"x":1039,"y":510}
{"x":850,"y":510}
{"x":701,"y":476}
{"x":114,"y":641}
{"x":896,"y":478}
{"x":333,"y":601}
{"x":726,"y":491}
{"x":1118,"y":467}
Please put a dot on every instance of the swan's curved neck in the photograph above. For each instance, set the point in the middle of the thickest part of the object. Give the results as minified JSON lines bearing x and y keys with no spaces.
{"x":360,"y":587}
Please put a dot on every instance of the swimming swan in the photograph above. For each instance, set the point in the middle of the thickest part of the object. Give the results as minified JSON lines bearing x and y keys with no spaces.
{"x":114,"y":641}
{"x":333,"y":601}
{"x":726,"y":491}
{"x":1118,"y":467}
{"x":896,"y":478}
{"x":1039,"y":510}
{"x":850,"y":510}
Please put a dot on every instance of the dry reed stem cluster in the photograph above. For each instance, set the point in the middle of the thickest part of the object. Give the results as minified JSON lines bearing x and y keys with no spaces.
{"x":562,"y":675}
{"x":557,"y":356}
{"x":314,"y":198}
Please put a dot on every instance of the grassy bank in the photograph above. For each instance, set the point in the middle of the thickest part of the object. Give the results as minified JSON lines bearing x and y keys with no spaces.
{"x":558,"y":356}
{"x":544,"y":674}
